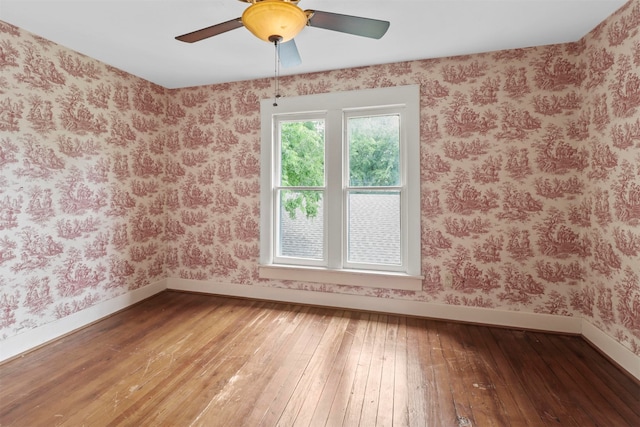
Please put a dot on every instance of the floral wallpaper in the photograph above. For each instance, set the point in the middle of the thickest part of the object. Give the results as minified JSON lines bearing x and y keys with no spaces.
{"x":530,"y":163}
{"x":81,"y":182}
{"x":608,"y":213}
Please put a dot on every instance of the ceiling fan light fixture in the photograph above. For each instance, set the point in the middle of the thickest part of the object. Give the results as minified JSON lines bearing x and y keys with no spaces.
{"x":269,"y":19}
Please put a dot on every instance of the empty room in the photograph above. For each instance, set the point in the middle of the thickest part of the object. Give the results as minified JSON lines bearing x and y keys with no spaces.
{"x":320,"y":213}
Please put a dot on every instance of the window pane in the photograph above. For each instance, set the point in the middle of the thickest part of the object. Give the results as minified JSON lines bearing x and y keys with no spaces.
{"x":302,"y":153}
{"x":374,"y":154}
{"x":301,"y":224}
{"x":374,"y":228}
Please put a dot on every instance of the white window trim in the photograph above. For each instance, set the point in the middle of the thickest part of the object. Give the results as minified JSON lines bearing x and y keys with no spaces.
{"x":406,"y":96}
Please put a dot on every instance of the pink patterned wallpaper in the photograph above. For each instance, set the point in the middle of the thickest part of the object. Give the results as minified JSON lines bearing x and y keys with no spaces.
{"x":530,"y":167}
{"x":81,"y":182}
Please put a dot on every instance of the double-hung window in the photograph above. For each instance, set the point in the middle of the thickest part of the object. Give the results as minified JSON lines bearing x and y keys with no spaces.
{"x":340,"y":188}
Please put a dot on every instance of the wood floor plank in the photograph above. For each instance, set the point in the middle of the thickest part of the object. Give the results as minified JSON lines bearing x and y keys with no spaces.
{"x":419,"y":375}
{"x":597,"y":401}
{"x":202,"y":360}
{"x":285,"y":369}
{"x":343,"y":362}
{"x":459,"y":374}
{"x":295,"y":372}
{"x":401,"y":383}
{"x":320,"y":369}
{"x":260,"y":372}
{"x":386,"y":385}
{"x":112,"y":352}
{"x":239,"y":367}
{"x":487,"y":405}
{"x":516,"y":407}
{"x":19,"y":380}
{"x":561,"y":382}
{"x":546,"y":393}
{"x":210,"y":360}
{"x":373,"y":389}
{"x":599,"y":368}
{"x":439,"y":391}
{"x":344,"y":392}
{"x":302,"y":402}
{"x":356,"y":400}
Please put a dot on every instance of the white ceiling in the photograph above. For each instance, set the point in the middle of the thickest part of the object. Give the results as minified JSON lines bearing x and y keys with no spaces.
{"x":138,"y":35}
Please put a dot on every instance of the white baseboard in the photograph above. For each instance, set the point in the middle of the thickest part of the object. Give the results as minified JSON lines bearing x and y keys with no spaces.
{"x":511,"y":319}
{"x":485,"y":316}
{"x":618,"y":353}
{"x":36,"y":337}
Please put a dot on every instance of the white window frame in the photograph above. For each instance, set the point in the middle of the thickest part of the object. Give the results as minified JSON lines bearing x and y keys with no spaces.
{"x":335,"y":107}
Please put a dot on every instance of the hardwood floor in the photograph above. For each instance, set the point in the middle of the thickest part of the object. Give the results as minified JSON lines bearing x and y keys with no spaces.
{"x":180,"y":359}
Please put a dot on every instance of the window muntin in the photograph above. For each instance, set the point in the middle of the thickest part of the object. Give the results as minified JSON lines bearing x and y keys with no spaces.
{"x":361,"y":181}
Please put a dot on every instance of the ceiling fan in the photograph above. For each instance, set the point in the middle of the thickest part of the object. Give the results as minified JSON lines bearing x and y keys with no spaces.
{"x":279,"y":21}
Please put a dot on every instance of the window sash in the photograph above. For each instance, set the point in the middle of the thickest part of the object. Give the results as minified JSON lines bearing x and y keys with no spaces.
{"x":277,"y":218}
{"x":336,"y":233}
{"x":286,"y":247}
{"x":334,"y":268}
{"x":387,"y":253}
{"x":400,"y":188}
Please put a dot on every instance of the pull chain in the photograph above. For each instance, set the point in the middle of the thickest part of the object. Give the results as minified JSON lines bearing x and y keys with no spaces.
{"x":276,"y":44}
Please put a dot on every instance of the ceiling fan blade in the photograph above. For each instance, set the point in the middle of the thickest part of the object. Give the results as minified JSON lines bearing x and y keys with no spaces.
{"x":356,"y":25}
{"x":289,"y":56}
{"x":214,"y":30}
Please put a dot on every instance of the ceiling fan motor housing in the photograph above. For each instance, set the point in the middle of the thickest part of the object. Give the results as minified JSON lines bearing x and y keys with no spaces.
{"x":274,"y":20}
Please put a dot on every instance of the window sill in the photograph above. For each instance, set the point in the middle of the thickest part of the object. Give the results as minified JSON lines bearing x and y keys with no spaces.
{"x":369,"y":279}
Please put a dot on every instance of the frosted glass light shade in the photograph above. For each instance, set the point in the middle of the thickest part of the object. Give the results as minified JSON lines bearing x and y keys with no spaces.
{"x":269,"y":18}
